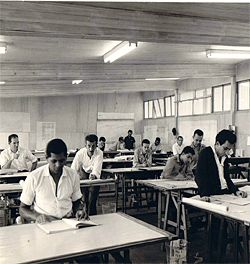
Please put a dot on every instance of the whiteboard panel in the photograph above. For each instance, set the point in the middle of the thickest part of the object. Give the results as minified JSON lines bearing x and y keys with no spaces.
{"x":209,"y":127}
{"x":14,"y":121}
{"x":113,"y":129}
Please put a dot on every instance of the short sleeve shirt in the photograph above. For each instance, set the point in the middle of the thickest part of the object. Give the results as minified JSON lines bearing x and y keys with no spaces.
{"x":40,"y":189}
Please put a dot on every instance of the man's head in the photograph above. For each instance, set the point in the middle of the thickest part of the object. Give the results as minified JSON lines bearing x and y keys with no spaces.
{"x":157,"y":141}
{"x":197,"y":137}
{"x":121,"y":140}
{"x":13,"y":142}
{"x":56,"y":155}
{"x":130,"y":132}
{"x":145,"y":145}
{"x":91,"y":143}
{"x":179,"y":140}
{"x":224,"y":142}
{"x":187,"y":154}
{"x":102,"y":139}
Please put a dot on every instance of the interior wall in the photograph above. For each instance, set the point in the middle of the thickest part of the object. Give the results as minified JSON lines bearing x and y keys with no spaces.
{"x":75,"y":116}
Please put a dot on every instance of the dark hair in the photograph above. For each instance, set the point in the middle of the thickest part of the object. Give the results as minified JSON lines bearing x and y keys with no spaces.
{"x":198,"y":132}
{"x":120,"y":138}
{"x":180,"y":137}
{"x":187,"y":150}
{"x":174,"y":131}
{"x":91,"y":138}
{"x":225,"y":135}
{"x":56,"y":146}
{"x":130,"y":131}
{"x":157,"y":139}
{"x":146,"y":141}
{"x":102,"y":139}
{"x":12,"y":136}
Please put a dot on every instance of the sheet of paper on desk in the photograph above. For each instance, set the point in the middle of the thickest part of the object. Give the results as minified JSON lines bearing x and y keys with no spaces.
{"x":232,"y":199}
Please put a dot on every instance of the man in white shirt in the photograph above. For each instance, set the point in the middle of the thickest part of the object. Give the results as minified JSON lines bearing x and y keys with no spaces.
{"x":178,"y":146}
{"x":88,"y":164}
{"x":52,"y":191}
{"x":15,"y":157}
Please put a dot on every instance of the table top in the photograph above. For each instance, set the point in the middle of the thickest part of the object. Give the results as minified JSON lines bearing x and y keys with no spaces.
{"x":130,"y":170}
{"x":110,"y":160}
{"x":13,"y":174}
{"x":234,"y":211}
{"x":115,"y":231}
{"x":168,"y":185}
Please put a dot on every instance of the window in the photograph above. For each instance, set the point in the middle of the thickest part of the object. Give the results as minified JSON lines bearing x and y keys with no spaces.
{"x":222,"y":98}
{"x":170,"y":106}
{"x":244,"y":95}
{"x":145,"y":109}
{"x":154,"y":108}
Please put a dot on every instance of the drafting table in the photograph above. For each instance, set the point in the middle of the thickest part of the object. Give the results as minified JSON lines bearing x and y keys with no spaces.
{"x":123,"y":174}
{"x":12,"y":176}
{"x":117,"y":163}
{"x":174,"y":190}
{"x":236,"y":214}
{"x":115,"y":232}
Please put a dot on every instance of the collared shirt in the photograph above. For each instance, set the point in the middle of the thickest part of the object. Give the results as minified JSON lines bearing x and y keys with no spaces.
{"x":174,"y":167}
{"x":155,"y":148}
{"x":177,"y":149}
{"x":197,"y":150}
{"x":220,"y":166}
{"x":40,"y":189}
{"x":91,"y":165}
{"x":129,"y":142}
{"x":142,"y":158}
{"x":21,"y":163}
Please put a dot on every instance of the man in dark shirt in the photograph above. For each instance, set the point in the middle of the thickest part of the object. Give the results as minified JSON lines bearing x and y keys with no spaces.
{"x":129,"y":140}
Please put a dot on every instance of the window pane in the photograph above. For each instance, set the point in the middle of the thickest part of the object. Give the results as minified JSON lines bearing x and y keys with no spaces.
{"x":199,"y":93}
{"x":209,"y":91}
{"x":198,"y":106}
{"x":145,"y":109}
{"x":217,"y":99}
{"x":227,"y":98}
{"x":168,"y":106}
{"x":243,"y":95}
{"x":186,"y":95}
{"x":157,"y":109}
{"x":173,"y":105}
{"x":185,"y":108}
{"x":150,"y":109}
{"x":208,"y":105}
{"x":161,"y":103}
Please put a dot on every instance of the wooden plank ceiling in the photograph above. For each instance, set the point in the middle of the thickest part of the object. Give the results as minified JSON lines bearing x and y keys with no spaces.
{"x":52,"y":43}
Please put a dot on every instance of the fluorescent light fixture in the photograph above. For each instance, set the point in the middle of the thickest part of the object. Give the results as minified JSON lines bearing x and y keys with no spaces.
{"x":3,"y":48}
{"x":119,"y":51}
{"x":2,"y":82}
{"x":162,"y":79}
{"x":76,"y":81}
{"x":228,"y":54}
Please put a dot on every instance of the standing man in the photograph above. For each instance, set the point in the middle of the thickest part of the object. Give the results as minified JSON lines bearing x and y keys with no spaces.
{"x":52,"y":191}
{"x":178,"y":145}
{"x":88,"y":164}
{"x":15,"y":157}
{"x":129,"y":140}
{"x":156,"y":147}
{"x":197,"y":147}
{"x":212,"y":175}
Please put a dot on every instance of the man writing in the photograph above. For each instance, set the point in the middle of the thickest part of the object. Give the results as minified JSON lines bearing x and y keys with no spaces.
{"x":15,"y":157}
{"x":52,"y":191}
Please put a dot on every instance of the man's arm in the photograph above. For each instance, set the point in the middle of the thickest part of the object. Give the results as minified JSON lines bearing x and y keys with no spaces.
{"x":168,"y":169}
{"x":6,"y":161}
{"x":149,"y":159}
{"x":136,"y":162}
{"x":97,"y":167}
{"x":79,"y":209}
{"x":33,"y":166}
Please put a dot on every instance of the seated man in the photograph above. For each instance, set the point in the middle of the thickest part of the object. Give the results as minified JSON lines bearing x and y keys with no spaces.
{"x":118,"y":145}
{"x":15,"y":157}
{"x":143,"y":155}
{"x":212,"y":175}
{"x":101,"y":143}
{"x":88,"y":164}
{"x":52,"y":191}
{"x":178,"y":145}
{"x":156,"y":147}
{"x":178,"y":166}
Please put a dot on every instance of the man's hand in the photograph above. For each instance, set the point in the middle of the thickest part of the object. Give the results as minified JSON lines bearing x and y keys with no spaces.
{"x":16,"y":155}
{"x":205,"y":199}
{"x":242,"y":194}
{"x":82,"y":214}
{"x":92,"y":177}
{"x":180,"y":177}
{"x":45,"y":218}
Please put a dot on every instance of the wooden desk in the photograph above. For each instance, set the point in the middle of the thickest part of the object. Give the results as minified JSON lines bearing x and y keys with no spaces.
{"x":175,"y":190}
{"x":236,"y":214}
{"x":116,"y":232}
{"x":132,"y":173}
{"x":14,"y":177}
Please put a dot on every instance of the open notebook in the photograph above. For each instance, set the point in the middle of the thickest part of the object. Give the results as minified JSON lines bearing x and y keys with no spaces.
{"x":65,"y":224}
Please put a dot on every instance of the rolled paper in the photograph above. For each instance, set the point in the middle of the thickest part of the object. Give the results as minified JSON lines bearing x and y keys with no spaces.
{"x":205,"y":205}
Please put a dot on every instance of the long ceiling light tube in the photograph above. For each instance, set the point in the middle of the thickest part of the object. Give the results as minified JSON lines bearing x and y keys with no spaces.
{"x":228,"y":54}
